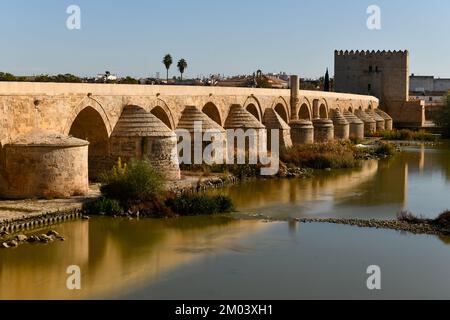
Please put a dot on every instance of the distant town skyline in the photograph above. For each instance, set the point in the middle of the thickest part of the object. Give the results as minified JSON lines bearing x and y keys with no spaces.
{"x":229,"y":37}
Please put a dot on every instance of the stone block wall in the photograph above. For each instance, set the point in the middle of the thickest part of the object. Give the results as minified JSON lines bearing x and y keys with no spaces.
{"x":44,"y":172}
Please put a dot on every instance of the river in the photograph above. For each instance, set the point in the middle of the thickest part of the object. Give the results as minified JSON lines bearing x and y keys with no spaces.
{"x":224,"y":258}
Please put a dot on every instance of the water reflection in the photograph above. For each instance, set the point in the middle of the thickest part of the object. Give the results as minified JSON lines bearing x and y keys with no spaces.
{"x":417,"y":180}
{"x":217,"y":257}
{"x":321,"y":261}
{"x":115,"y":255}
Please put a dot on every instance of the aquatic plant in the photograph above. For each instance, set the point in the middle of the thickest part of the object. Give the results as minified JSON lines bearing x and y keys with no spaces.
{"x":200,"y":204}
{"x":104,"y":206}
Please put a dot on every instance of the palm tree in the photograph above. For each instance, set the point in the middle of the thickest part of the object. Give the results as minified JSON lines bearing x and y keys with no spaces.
{"x":167,"y":62}
{"x":182,"y":66}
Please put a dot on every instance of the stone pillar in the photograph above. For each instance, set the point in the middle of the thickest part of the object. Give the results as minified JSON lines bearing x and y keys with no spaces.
{"x":380,"y":122}
{"x":341,"y":126}
{"x":370,"y":125}
{"x":323,"y":130}
{"x":295,"y":88}
{"x":356,"y":125}
{"x":316,"y":111}
{"x":389,"y":123}
{"x":302,"y":132}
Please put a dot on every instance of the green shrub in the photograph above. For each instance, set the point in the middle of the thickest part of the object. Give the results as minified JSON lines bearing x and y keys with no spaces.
{"x":104,"y":206}
{"x":195,"y":205}
{"x":408,"y":135}
{"x":137,"y":181}
{"x":385,"y":149}
{"x":334,"y":155}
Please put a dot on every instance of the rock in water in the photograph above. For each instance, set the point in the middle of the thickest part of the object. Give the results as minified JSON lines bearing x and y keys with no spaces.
{"x":13,"y":244}
{"x":53,"y":233}
{"x":21,"y":238}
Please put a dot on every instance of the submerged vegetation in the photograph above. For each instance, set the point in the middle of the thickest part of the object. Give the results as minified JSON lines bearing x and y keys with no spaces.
{"x":199,"y":204}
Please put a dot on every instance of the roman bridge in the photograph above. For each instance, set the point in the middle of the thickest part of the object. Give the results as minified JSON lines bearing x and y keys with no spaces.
{"x":96,"y":108}
{"x":54,"y":136}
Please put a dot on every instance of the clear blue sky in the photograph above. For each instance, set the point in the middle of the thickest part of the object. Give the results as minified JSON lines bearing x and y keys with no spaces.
{"x":228,"y":36}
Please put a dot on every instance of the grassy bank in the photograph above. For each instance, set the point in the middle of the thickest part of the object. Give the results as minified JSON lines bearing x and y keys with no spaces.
{"x":408,"y":135}
{"x":333,"y":155}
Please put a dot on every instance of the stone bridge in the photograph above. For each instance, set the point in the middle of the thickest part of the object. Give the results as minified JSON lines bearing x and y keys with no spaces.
{"x":57,"y":107}
{"x":39,"y":158}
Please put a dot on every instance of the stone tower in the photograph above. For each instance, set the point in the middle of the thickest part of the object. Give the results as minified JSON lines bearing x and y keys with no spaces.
{"x":383,"y":74}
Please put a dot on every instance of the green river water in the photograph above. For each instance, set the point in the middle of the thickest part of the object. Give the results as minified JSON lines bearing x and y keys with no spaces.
{"x":225,"y":258}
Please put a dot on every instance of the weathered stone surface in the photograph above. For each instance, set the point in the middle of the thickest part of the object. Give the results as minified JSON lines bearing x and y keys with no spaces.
{"x":389,"y":122}
{"x":44,"y":166}
{"x":323,"y":130}
{"x":356,"y":125}
{"x":273,"y":121}
{"x":370,"y":125}
{"x":341,"y":125}
{"x":381,"y":123}
{"x":302,"y":132}
{"x":91,"y":113}
{"x":139,"y":134}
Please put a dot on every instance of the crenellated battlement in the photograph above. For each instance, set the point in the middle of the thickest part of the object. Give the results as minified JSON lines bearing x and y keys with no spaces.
{"x":371,"y":53}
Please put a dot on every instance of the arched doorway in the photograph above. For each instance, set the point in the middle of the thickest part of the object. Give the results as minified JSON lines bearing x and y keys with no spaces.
{"x":304,"y":113}
{"x":323,"y":112}
{"x":162,"y":115}
{"x":89,"y":126}
{"x":211,"y":110}
{"x":254,"y":111}
{"x":281,"y":110}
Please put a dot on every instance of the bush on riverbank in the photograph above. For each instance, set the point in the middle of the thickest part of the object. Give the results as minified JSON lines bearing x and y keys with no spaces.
{"x":333,"y":155}
{"x":104,"y":206}
{"x":408,"y":135}
{"x":442,"y":222}
{"x":196,"y":204}
{"x":137,"y":189}
{"x":137,"y":181}
{"x":384,"y":150}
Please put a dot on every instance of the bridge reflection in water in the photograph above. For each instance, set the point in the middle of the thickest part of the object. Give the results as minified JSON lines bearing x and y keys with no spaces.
{"x":115,"y":255}
{"x":119,"y":256}
{"x":379,"y":189}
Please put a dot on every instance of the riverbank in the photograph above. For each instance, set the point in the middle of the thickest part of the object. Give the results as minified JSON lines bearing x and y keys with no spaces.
{"x":18,"y":215}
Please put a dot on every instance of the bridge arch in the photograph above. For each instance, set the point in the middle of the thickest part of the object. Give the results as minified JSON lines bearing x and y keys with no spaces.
{"x":213,"y":112}
{"x":90,"y":126}
{"x":253,"y":106}
{"x":281,"y":108}
{"x":323,"y":111}
{"x":163,"y":113}
{"x":305,"y":112}
{"x":88,"y":103}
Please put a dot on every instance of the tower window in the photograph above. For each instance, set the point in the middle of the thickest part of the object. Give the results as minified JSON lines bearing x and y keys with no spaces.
{"x":369,"y":87}
{"x":370,"y":69}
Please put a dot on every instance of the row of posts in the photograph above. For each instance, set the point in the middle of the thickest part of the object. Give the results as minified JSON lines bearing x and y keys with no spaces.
{"x":341,"y":126}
